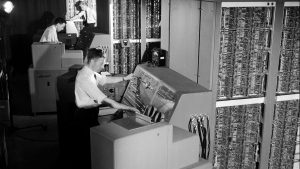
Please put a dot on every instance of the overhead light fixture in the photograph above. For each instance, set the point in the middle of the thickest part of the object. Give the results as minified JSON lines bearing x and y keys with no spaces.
{"x":7,"y":6}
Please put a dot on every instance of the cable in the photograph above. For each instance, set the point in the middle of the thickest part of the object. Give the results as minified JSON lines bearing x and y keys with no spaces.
{"x":158,"y":119}
{"x":202,"y":135}
{"x":208,"y":136}
{"x":200,"y":124}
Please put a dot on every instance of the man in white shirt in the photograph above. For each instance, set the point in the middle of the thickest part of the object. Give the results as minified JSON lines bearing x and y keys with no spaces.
{"x":88,"y":98}
{"x":89,"y":14}
{"x":87,"y":94}
{"x":50,"y":34}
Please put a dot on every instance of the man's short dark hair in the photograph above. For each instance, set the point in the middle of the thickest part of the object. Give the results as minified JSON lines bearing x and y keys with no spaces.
{"x":59,"y":20}
{"x":78,"y":3}
{"x":93,"y":53}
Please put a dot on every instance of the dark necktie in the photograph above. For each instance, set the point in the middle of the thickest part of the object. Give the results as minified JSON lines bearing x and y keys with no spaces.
{"x":86,"y":16}
{"x":96,"y":83}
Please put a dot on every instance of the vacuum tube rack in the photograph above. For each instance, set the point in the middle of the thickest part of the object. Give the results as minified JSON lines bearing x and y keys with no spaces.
{"x":244,"y":51}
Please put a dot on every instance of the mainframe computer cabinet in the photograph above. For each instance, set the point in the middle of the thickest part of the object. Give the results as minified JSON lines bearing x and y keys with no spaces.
{"x":247,"y":53}
{"x":172,"y":25}
{"x":254,"y":77}
{"x":42,"y":87}
{"x":134,"y":26}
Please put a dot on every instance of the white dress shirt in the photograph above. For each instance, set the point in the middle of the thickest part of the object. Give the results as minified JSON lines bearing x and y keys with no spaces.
{"x":87,"y":94}
{"x":50,"y":35}
{"x":89,"y":14}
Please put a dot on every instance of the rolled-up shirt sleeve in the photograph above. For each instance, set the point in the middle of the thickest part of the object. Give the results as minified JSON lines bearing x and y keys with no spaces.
{"x":87,"y":93}
{"x":101,"y":79}
{"x":49,"y":35}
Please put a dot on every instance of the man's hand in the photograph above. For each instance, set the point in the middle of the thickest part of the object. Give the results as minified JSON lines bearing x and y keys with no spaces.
{"x":118,"y":105}
{"x":129,"y":77}
{"x":134,"y":109}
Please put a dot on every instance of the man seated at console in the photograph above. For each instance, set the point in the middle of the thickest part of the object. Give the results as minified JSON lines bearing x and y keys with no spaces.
{"x":50,"y":34}
{"x":88,"y":99}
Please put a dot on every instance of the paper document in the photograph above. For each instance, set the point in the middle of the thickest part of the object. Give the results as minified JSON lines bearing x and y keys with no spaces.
{"x":71,"y":28}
